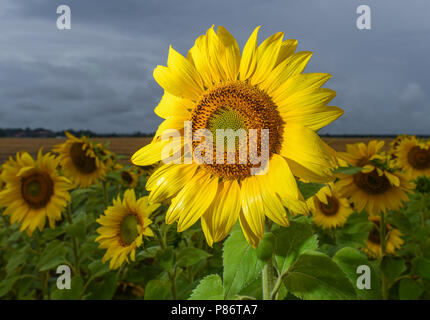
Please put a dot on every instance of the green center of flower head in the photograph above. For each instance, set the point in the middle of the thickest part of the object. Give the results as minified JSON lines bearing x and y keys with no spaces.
{"x":226,"y":118}
{"x":34,"y":188}
{"x":128,"y":229}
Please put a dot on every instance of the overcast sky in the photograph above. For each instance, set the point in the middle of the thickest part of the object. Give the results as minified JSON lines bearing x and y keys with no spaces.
{"x":98,"y":75}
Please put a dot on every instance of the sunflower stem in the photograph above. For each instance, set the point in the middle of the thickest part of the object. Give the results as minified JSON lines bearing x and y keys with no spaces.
{"x":105,"y":194}
{"x":382,"y":235}
{"x":268,"y":277}
{"x":74,"y":240}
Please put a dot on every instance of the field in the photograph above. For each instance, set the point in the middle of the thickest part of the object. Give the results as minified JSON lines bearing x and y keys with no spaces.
{"x":123,"y":146}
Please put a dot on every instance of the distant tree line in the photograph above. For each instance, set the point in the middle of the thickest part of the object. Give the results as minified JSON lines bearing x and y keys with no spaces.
{"x":46,"y":133}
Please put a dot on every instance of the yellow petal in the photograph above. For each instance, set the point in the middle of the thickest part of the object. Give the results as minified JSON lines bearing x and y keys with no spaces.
{"x":252,"y":205}
{"x":249,"y":57}
{"x":307,"y":155}
{"x":180,"y":77}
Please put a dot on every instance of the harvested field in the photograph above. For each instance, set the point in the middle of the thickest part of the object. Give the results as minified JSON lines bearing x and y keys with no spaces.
{"x":125,"y":146}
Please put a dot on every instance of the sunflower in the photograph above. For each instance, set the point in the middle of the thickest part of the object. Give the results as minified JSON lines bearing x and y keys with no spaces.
{"x":360,"y":154}
{"x":34,"y":191}
{"x":2,"y":183}
{"x":395,"y":142}
{"x":375,"y":189}
{"x":122,"y":227}
{"x":413,"y":157}
{"x":129,"y":178}
{"x":217,"y":88}
{"x":328,"y":208}
{"x":81,"y":161}
{"x":373,"y":243}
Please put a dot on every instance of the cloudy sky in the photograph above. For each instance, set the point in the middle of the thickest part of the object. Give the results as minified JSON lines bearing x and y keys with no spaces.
{"x":98,"y":75}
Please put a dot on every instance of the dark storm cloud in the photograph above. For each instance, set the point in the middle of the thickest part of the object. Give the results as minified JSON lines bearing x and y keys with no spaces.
{"x":98,"y":75}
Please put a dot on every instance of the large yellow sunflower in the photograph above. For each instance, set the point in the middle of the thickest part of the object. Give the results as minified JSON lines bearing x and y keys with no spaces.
{"x":123,"y":226}
{"x":81,"y":161}
{"x":413,"y":157}
{"x":34,"y":191}
{"x":395,"y":142}
{"x":328,"y":208}
{"x":374,"y":189}
{"x":373,"y":243}
{"x":217,"y":88}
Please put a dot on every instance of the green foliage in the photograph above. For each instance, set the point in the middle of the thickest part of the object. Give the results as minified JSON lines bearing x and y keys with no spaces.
{"x":209,"y":288}
{"x":241,"y":264}
{"x":314,"y":275}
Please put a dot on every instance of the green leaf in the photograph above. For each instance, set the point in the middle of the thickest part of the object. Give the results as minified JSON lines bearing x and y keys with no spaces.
{"x":103,"y":289}
{"x":309,"y":189}
{"x":409,"y":290}
{"x":241,"y":264}
{"x":15,"y":260}
{"x":53,"y":255}
{"x":348,"y":170}
{"x":190,"y":256}
{"x":291,"y":242}
{"x":392,"y":268}
{"x":6,"y":285}
{"x":355,"y":232}
{"x":165,"y":258}
{"x":209,"y":288}
{"x":348,"y":259}
{"x":315,"y":276}
{"x":77,"y":229}
{"x":422,"y":267}
{"x":157,"y":290}
{"x":98,"y":268}
{"x":76,"y":286}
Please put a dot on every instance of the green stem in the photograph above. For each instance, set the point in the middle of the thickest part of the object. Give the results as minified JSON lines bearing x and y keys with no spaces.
{"x":423,"y":218}
{"x":382,"y":235}
{"x":74,"y":240}
{"x":105,"y":194}
{"x":268,"y":277}
{"x":171,"y":273}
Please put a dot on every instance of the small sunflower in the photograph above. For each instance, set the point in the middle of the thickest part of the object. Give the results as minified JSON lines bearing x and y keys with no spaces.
{"x":215,"y":87}
{"x":360,"y":154}
{"x":81,"y":161}
{"x":413,"y":157}
{"x":123,"y":226}
{"x":129,"y":178}
{"x":373,"y":243}
{"x":328,"y":208}
{"x":375,"y":189}
{"x":395,"y":142}
{"x":34,"y":191}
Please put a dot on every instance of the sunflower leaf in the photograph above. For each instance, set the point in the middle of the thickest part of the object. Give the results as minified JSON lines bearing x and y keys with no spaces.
{"x":315,"y":275}
{"x":309,"y":189}
{"x":348,"y":259}
{"x":241,"y":265}
{"x":291,"y":242}
{"x":209,"y":288}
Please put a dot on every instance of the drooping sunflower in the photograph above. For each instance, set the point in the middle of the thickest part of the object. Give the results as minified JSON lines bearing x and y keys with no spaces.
{"x":217,"y":88}
{"x":81,"y":161}
{"x":329,"y":209}
{"x":373,"y":243}
{"x":123,"y":226}
{"x":129,"y":178}
{"x":360,"y":154}
{"x":34,"y":192}
{"x":413,"y":157}
{"x":375,"y":189}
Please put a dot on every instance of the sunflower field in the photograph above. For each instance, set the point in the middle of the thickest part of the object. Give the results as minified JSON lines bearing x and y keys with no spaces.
{"x":80,"y":222}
